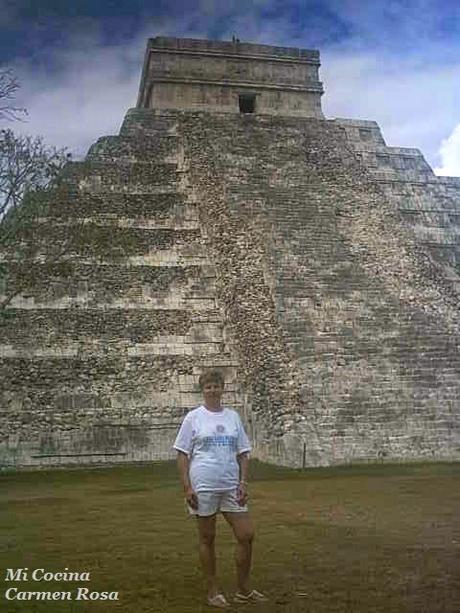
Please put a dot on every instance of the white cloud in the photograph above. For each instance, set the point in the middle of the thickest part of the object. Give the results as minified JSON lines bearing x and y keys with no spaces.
{"x":86,"y":97}
{"x":449,"y":153}
{"x":84,"y":92}
{"x":415,"y":104}
{"x":415,"y":97}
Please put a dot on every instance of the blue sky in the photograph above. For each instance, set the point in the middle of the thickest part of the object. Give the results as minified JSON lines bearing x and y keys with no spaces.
{"x":395,"y":61}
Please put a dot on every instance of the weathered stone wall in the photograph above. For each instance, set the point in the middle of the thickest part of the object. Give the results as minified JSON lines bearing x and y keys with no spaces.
{"x":269,"y":246}
{"x":112,"y":311}
{"x":428,"y":205}
{"x":345,"y":328}
{"x":225,"y":99}
{"x":188,"y":74}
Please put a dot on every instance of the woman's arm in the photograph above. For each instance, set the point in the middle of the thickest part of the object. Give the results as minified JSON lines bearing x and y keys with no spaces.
{"x":183,"y":466}
{"x":243,"y":462}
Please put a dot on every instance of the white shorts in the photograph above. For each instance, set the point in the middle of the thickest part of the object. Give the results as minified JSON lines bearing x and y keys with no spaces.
{"x":210,"y":503}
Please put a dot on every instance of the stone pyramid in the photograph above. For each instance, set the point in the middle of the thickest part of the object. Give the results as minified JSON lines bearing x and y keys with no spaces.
{"x":230,"y":224}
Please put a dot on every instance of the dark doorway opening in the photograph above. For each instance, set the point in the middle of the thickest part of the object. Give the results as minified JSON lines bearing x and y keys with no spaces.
{"x":247,"y":103}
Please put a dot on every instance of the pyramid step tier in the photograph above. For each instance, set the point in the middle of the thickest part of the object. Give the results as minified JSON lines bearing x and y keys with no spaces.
{"x":163,"y":204}
{"x":101,"y":284}
{"x":133,"y":177}
{"x":147,"y":124}
{"x":51,"y":326}
{"x":115,"y":149}
{"x":146,"y":402}
{"x":100,"y":241}
{"x":99,"y":373}
{"x":108,"y":220}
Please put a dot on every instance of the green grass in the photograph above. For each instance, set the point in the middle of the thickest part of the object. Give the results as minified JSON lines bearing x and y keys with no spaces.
{"x":360,"y":539}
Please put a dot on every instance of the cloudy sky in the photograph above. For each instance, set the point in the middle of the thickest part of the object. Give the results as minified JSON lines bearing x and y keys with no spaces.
{"x":393,"y":61}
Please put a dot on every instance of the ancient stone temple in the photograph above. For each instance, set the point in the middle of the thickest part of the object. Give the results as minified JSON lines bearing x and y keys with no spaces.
{"x":230,"y":224}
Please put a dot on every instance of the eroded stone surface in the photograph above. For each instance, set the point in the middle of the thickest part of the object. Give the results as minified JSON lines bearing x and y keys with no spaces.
{"x":317,"y":266}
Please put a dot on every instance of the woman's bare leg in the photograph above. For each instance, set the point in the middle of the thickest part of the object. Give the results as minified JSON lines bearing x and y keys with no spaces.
{"x":206,"y":536}
{"x":244,"y":533}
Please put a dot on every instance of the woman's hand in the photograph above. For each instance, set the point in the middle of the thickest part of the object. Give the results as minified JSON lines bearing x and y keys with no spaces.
{"x":191,"y":498}
{"x":242,"y":493}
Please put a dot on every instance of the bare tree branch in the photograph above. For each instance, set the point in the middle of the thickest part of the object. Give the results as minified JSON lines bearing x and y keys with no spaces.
{"x":29,"y":171}
{"x":26,"y":165}
{"x":8,"y":87}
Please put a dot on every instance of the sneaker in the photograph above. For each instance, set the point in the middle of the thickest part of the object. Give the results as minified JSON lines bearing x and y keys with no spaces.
{"x":218,"y":601}
{"x":253,"y":596}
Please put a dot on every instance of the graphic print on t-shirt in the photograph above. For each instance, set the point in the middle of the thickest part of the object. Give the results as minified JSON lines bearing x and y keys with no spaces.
{"x":212,"y":440}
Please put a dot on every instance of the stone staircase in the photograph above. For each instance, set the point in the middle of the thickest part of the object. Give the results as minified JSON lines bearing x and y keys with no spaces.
{"x":429,"y":205}
{"x":365,"y":320}
{"x":106,"y":334}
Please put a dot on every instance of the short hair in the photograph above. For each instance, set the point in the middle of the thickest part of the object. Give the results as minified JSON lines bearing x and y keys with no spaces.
{"x":212,"y":375}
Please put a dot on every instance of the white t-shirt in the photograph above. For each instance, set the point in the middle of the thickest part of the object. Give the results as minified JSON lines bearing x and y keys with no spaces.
{"x":212,"y":440}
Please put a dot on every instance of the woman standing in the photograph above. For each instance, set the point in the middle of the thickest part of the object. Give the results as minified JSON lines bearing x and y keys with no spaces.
{"x":213,"y":457}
